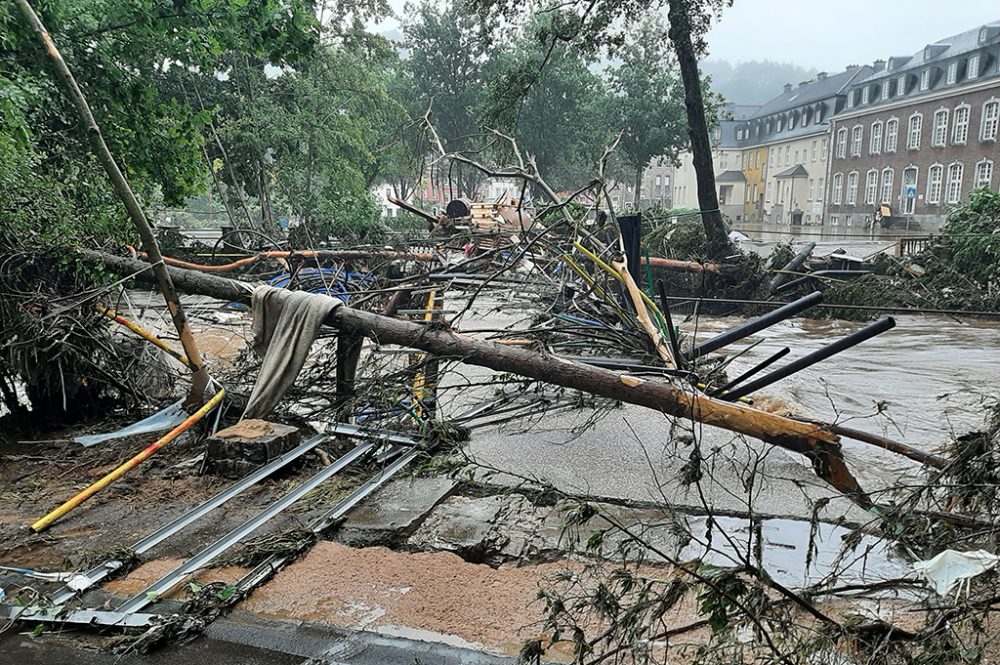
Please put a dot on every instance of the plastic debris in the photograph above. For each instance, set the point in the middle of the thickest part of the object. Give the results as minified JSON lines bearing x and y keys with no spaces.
{"x":950,"y":568}
{"x":169,"y":417}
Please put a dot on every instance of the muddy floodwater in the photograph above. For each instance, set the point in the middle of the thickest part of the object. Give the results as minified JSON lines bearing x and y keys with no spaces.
{"x":929,"y":376}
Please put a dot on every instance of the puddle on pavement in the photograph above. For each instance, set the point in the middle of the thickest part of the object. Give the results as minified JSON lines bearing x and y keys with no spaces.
{"x":785,"y":551}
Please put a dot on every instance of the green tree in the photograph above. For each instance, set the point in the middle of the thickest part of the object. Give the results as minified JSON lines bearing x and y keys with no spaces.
{"x":601,"y":26}
{"x":547,"y":96}
{"x":646,"y":103}
{"x":127,"y":56}
{"x":305,"y":143}
{"x":449,"y":66}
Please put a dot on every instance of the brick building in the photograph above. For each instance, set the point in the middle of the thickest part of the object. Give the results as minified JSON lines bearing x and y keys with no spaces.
{"x":786,"y":147}
{"x":918,"y":134}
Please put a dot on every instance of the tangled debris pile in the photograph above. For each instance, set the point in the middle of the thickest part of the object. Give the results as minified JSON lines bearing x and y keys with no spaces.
{"x":566,"y":322}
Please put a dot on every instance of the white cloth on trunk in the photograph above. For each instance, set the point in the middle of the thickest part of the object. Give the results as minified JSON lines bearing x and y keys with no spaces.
{"x":285,"y":324}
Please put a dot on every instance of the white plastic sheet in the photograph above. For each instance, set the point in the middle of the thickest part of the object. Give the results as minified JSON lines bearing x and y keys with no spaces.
{"x":950,"y":568}
{"x":168,"y":418}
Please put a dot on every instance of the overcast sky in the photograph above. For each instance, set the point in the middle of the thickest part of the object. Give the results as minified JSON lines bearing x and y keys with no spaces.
{"x":831,"y":34}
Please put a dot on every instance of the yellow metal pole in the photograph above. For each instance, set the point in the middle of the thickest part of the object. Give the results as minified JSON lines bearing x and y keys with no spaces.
{"x":143,"y":333}
{"x":420,"y":380}
{"x":47,"y":521}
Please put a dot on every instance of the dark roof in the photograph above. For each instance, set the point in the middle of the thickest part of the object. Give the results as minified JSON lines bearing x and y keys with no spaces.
{"x":737,"y":111}
{"x":731,"y":116}
{"x":809,"y":107}
{"x":935,"y":58}
{"x":939,"y":51}
{"x":812,"y":91}
{"x":731,"y":176}
{"x":797,"y":171}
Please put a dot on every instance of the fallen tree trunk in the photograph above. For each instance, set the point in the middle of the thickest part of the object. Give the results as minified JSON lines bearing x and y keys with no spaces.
{"x":335,"y":254}
{"x":819,"y":445}
{"x":683,"y":266}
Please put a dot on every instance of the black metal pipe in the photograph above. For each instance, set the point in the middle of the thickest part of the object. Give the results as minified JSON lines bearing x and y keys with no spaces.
{"x":758,"y":324}
{"x":850,"y":274}
{"x":795,"y":264}
{"x":675,"y":345}
{"x":842,"y":344}
{"x":756,"y":369}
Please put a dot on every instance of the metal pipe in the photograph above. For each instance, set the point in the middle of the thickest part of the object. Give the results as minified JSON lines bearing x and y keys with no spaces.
{"x":273,"y":563}
{"x":675,"y":345}
{"x":842,"y":344}
{"x":756,"y":369}
{"x":199,"y":560}
{"x":47,"y":521}
{"x":792,"y":266}
{"x":755,"y":325}
{"x":143,"y":333}
{"x":103,"y":570}
{"x":820,"y":274}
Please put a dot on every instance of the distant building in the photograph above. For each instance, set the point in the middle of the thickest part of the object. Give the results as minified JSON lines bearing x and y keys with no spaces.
{"x":727,"y":163}
{"x":918,"y":134}
{"x":655,"y":189}
{"x":786,"y":145}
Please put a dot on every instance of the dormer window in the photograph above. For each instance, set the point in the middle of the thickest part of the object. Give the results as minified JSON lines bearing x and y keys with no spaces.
{"x":953,"y":73}
{"x":865,"y":95}
{"x":885,"y":88}
{"x":850,"y":99}
{"x":973,"y":70}
{"x":925,"y":79}
{"x":901,"y":85}
{"x":983,"y":35}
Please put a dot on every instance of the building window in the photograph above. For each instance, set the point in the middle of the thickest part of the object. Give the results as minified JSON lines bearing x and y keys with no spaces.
{"x":865,"y":95}
{"x":819,"y":190}
{"x":891,"y":134}
{"x":848,"y":220}
{"x":909,"y":181}
{"x":834,"y":220}
{"x":935,"y":177}
{"x":871,"y":187}
{"x":939,"y":134}
{"x":724,"y":161}
{"x":887,"y":174}
{"x":913,"y":134}
{"x":955,"y":182}
{"x":991,"y":118}
{"x":852,"y":188}
{"x":838,"y":189}
{"x":984,"y":173}
{"x":925,"y":79}
{"x":961,"y":130}
{"x":875,"y":138}
{"x":739,"y":160}
{"x":850,"y":99}
{"x":973,"y":70}
{"x":823,"y":148}
{"x":797,"y":157}
{"x":811,"y":184}
{"x":788,"y":152}
{"x":813,"y":151}
{"x":953,"y":72}
{"x":856,"y":135}
{"x":885,"y":88}
{"x":901,"y":85}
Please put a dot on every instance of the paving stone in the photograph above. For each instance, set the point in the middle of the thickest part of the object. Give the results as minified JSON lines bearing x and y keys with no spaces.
{"x":400,"y":506}
{"x":235,"y":451}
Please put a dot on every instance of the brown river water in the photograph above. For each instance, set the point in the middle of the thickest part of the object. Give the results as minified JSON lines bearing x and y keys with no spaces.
{"x":929,"y":376}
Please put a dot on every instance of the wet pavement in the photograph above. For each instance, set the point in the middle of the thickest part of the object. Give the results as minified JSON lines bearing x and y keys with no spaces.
{"x":43,"y":650}
{"x":919,"y":383}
